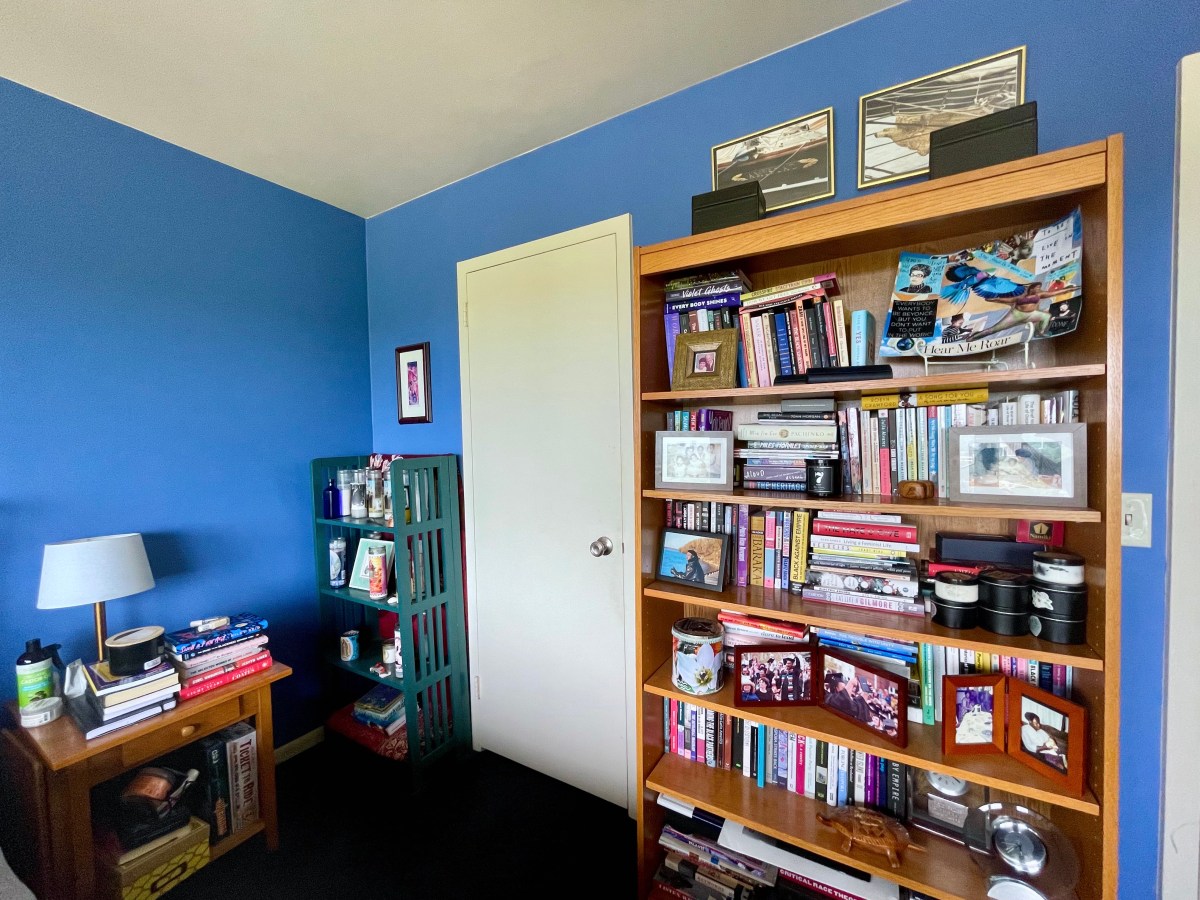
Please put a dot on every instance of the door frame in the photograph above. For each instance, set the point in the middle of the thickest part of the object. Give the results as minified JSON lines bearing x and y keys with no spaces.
{"x":1179,"y":841}
{"x":620,"y":228}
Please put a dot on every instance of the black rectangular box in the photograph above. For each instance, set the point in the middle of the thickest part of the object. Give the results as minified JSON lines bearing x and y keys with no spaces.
{"x":1003,"y":136}
{"x":954,"y":546}
{"x":733,"y":205}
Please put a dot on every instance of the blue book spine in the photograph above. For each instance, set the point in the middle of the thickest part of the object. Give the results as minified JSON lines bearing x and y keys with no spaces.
{"x":671,"y":326}
{"x":786,"y":366}
{"x":843,"y":780}
{"x":909,"y":658}
{"x":932,"y":423}
{"x":862,"y":337}
{"x":762,"y":754}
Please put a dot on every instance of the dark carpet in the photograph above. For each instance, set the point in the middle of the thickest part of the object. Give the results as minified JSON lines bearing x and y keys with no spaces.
{"x":351,"y":825}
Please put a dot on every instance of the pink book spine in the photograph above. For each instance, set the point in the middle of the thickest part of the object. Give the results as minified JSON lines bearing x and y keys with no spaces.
{"x":769,"y":551}
{"x":1059,"y":680}
{"x":801,"y":747}
{"x":760,"y":351}
{"x":1023,"y":668}
{"x":674,"y":726}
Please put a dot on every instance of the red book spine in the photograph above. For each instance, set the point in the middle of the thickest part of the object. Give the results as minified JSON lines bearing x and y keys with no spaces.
{"x":830,"y":335}
{"x":933,"y":567}
{"x":674,"y":730}
{"x":212,"y":684}
{"x":226,"y":669}
{"x":907,"y":533}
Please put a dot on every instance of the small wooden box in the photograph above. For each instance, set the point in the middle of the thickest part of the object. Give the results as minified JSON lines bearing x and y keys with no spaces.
{"x":152,"y":875}
{"x":733,"y":205}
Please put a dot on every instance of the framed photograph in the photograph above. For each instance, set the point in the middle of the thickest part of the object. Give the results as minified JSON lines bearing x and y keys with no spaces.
{"x":1047,"y":733}
{"x":696,"y":558}
{"x":894,"y":123}
{"x":792,"y":162}
{"x":705,"y":361}
{"x":870,"y":697}
{"x":1021,"y":465}
{"x":773,"y":675}
{"x":413,"y":399}
{"x":691,"y":459}
{"x":358,"y":575}
{"x":973,"y":714}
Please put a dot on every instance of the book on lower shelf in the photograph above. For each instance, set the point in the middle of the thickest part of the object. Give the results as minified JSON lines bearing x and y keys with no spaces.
{"x":241,"y":759}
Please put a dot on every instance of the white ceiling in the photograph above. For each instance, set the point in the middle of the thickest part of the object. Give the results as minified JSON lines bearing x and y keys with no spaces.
{"x":366,"y":104}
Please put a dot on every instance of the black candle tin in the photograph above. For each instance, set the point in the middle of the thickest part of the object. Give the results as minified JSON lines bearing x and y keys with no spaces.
{"x":1061,"y":601}
{"x":1058,"y":567}
{"x":1004,"y":591}
{"x":955,"y":615}
{"x":823,"y":477}
{"x":1060,"y":631}
{"x":1003,"y":622}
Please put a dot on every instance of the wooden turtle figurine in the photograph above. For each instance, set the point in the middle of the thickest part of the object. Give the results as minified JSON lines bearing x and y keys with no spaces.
{"x":871,"y":830}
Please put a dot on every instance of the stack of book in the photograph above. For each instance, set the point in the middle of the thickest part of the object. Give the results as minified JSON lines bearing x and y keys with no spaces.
{"x":707,"y":302}
{"x":227,"y":797}
{"x":699,"y":868}
{"x":747,"y":631}
{"x":699,"y":420}
{"x":207,"y":660}
{"x":789,"y":329}
{"x":770,"y":454}
{"x":381,"y":707}
{"x":861,"y":559}
{"x":111,"y":702}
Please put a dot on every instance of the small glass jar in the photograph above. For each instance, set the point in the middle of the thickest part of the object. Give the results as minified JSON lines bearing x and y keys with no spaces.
{"x":375,"y":482}
{"x":358,"y":494}
{"x":343,"y":484}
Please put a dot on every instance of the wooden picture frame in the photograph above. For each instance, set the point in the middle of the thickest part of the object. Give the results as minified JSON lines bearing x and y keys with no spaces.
{"x":791,"y":161}
{"x":684,"y":554}
{"x":358,"y":575}
{"x":885,"y":717}
{"x":896,"y":121}
{"x":414,"y":397}
{"x":705,"y":361}
{"x":773,"y":658}
{"x":1019,"y":465}
{"x":965,"y":699}
{"x":692,"y":460}
{"x":1059,"y":721}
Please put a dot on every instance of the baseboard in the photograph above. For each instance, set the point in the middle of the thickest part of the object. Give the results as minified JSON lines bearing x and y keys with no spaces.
{"x":299,"y":745}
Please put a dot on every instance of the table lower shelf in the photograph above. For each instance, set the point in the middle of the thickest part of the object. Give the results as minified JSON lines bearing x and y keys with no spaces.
{"x":944,"y":870}
{"x":239,"y":837}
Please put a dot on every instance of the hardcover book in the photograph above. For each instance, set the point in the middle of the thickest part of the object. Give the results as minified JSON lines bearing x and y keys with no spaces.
{"x":190,"y":640}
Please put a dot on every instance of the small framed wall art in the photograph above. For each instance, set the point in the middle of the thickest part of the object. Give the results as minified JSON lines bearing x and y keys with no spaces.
{"x":1047,"y":733}
{"x":705,"y":361}
{"x":973,"y":714}
{"x":698,"y":559}
{"x":866,"y":695}
{"x":773,"y":675}
{"x":1019,"y":465}
{"x":792,"y":162}
{"x":413,"y":398}
{"x":693,"y":459}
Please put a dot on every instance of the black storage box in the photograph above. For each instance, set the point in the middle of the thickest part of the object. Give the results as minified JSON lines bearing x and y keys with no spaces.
{"x":733,"y":205}
{"x":1003,"y":136}
{"x":953,"y":546}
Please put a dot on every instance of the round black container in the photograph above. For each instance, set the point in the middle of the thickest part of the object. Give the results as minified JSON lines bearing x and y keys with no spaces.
{"x":956,"y":588}
{"x":823,"y":477}
{"x":1058,"y":567}
{"x":955,"y":615}
{"x":1060,"y":631}
{"x":1003,"y":622}
{"x":1004,"y":591}
{"x":1059,"y":601}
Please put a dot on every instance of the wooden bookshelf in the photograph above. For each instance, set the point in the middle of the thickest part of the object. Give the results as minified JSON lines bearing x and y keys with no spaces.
{"x":861,"y":239}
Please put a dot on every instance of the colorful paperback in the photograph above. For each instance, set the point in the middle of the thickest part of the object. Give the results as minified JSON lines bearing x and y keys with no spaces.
{"x":189,"y":640}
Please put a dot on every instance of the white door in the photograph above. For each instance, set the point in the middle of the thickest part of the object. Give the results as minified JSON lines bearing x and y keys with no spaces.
{"x":546,"y":360}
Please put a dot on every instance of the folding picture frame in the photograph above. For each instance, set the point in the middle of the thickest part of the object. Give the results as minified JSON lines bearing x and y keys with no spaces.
{"x":974,"y":714}
{"x":870,"y":697}
{"x":1048,"y":734}
{"x":767,"y":675}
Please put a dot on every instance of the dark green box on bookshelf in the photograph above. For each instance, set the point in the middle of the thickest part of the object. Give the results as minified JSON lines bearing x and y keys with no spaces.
{"x":733,"y":205}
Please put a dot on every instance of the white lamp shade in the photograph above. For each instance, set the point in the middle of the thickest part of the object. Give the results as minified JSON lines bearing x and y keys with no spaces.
{"x":93,"y":570}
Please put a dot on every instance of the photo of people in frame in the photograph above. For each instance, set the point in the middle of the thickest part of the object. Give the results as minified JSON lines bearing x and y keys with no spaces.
{"x":704,"y":362}
{"x":872,"y":699}
{"x":973,"y":714}
{"x":774,"y":675}
{"x":1044,"y":734}
{"x":694,"y":459}
{"x":694,"y":558}
{"x":1032,"y":467}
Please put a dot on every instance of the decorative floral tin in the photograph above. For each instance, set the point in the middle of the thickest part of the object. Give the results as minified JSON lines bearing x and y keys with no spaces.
{"x":697,"y":655}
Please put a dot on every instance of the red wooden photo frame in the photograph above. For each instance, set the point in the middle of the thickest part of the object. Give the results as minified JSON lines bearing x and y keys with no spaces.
{"x":870,"y":697}
{"x":1056,"y":743}
{"x":974,"y":714}
{"x":794,"y":686}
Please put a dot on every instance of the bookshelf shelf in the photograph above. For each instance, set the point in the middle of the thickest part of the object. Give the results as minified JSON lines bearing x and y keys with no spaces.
{"x":236,"y":839}
{"x":1020,"y":379}
{"x":360,"y":524}
{"x":924,"y":748}
{"x":878,"y":503}
{"x":363,"y":598}
{"x":944,"y":870}
{"x":362,"y":667}
{"x":789,"y":607}
{"x":860,"y":239}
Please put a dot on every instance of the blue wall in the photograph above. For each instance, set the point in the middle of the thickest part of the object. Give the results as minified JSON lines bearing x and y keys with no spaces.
{"x":179,"y":340}
{"x":1095,"y":68}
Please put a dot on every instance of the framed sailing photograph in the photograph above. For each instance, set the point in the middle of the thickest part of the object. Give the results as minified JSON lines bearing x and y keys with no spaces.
{"x":894,"y":123}
{"x":792,"y":162}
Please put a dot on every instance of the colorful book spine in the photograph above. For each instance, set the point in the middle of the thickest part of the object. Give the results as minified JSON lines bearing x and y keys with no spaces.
{"x":769,"y":551}
{"x":864,"y":601}
{"x":883,"y":532}
{"x":215,"y":779}
{"x":241,"y":753}
{"x":927,"y":398}
{"x":237,"y":674}
{"x":785,"y":566}
{"x":241,"y":626}
{"x":862,"y":337}
{"x":799,"y":555}
{"x":743,"y":545}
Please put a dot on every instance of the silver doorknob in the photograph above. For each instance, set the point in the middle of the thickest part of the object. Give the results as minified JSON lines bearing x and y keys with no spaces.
{"x":601,"y":546}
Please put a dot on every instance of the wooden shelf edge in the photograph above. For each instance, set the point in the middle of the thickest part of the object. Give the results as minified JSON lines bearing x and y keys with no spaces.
{"x":879,"y":503}
{"x":788,"y":607}
{"x":239,"y":837}
{"x":923,"y":750}
{"x":942,"y":870}
{"x":1030,"y":378}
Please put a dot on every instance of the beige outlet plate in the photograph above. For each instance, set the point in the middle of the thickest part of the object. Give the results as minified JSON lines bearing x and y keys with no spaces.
{"x":1136,"y":514}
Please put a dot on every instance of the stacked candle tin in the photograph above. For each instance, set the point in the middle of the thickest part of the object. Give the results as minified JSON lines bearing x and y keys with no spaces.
{"x":956,"y":599}
{"x":1058,"y":597}
{"x":1004,"y":602}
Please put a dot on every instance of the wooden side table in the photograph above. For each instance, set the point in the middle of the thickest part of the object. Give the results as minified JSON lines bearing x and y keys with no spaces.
{"x":54,"y":769}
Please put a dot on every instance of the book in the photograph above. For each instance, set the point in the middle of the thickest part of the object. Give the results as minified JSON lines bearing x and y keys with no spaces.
{"x":925,"y":398}
{"x":213,"y":800}
{"x":261,"y":662}
{"x":827,"y":283}
{"x":190,"y":641}
{"x":835,"y":528}
{"x":864,"y":601}
{"x":131,"y":695}
{"x":128,"y":856}
{"x":117,"y":711}
{"x":241,"y":757}
{"x":859,"y":544}
{"x":862,"y":338}
{"x":224,"y":668}
{"x":103,"y":682}
{"x":837,"y":515}
{"x":211,"y":659}
{"x":787,"y":431}
{"x":189,"y":655}
{"x":93,"y":726}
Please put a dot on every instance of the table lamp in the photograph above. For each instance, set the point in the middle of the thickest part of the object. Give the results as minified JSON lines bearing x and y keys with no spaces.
{"x":94,"y":570}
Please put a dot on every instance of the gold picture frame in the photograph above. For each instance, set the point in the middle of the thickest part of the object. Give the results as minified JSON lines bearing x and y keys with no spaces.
{"x":705,"y":361}
{"x":772,"y":157}
{"x":960,"y":96}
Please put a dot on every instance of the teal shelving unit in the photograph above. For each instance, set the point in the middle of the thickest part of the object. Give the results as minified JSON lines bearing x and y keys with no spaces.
{"x":427,"y":582}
